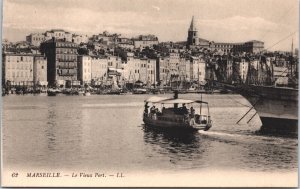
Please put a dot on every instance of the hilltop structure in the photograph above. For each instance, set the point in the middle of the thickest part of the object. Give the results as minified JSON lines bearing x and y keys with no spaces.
{"x":194,"y":42}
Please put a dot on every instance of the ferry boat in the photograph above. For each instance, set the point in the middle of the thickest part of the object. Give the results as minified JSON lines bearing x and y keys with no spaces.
{"x":176,"y":118}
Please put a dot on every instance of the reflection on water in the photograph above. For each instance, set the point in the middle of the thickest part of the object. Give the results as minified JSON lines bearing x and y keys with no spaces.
{"x":269,"y":131}
{"x":49,"y":130}
{"x":183,"y":149}
{"x":106,"y":132}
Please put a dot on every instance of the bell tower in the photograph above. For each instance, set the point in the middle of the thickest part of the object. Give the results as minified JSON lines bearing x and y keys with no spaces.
{"x":192,"y":39}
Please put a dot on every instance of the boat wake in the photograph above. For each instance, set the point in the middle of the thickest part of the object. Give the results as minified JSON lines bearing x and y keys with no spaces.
{"x":243,"y":138}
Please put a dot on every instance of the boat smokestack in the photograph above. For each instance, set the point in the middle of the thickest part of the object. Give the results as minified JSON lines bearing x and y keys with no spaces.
{"x":175,"y":94}
{"x":175,"y":97}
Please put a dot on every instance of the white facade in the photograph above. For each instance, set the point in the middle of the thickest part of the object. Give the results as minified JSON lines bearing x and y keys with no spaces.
{"x":40,"y":71}
{"x":18,"y":69}
{"x":99,"y":69}
{"x":151,"y":71}
{"x":196,"y":70}
{"x":132,"y":69}
{"x":35,"y":39}
{"x":80,"y":38}
{"x":243,"y":70}
{"x":58,"y":34}
{"x":84,"y":69}
{"x":229,"y":70}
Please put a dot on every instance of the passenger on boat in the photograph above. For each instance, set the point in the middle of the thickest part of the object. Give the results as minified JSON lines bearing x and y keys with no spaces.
{"x":192,"y":110}
{"x":163,"y":110}
{"x":152,"y":109}
{"x":157,"y":112}
{"x":184,"y":109}
{"x":146,"y":108}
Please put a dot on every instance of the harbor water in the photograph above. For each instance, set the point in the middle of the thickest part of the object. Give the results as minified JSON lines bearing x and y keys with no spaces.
{"x":107,"y":132}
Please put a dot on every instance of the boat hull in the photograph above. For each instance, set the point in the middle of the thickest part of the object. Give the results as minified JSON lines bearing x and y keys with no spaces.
{"x":174,"y":126}
{"x":276,"y":107}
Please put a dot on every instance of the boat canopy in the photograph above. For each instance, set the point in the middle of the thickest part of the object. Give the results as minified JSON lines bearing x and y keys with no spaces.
{"x":177,"y":101}
{"x":163,"y":100}
{"x":156,"y":99}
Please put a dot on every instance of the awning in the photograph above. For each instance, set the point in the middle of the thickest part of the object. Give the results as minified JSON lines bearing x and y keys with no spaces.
{"x":177,"y":101}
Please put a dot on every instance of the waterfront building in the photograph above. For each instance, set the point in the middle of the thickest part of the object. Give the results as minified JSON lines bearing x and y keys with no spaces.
{"x":40,"y":71}
{"x":197,"y":67}
{"x":17,"y":69}
{"x":151,"y":72}
{"x":229,"y":70}
{"x":132,"y":67}
{"x":98,"y":70}
{"x":163,"y":71}
{"x":143,"y":41}
{"x":182,"y":69}
{"x":143,"y":71}
{"x":187,"y":69}
{"x":242,"y":69}
{"x":61,"y":62}
{"x":174,"y":59}
{"x":35,"y":39}
{"x":84,"y":69}
{"x":115,"y":71}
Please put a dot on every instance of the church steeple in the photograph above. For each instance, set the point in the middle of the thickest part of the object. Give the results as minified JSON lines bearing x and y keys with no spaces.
{"x":192,"y":26}
{"x":192,"y":39}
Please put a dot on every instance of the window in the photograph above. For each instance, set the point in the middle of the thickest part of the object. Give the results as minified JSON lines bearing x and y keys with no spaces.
{"x":21,"y":58}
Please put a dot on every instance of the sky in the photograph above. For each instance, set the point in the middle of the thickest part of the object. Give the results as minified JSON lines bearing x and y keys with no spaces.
{"x":217,"y":20}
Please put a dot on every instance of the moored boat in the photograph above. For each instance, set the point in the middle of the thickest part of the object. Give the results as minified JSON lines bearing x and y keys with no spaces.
{"x":177,"y":118}
{"x":277,"y":107}
{"x":53,"y":92}
{"x":87,"y":94}
{"x":139,"y":91}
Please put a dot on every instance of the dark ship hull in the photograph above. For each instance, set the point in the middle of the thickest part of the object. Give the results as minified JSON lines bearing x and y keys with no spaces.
{"x":277,"y":107}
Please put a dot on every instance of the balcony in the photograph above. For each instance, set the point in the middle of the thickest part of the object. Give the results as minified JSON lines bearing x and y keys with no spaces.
{"x":67,"y":67}
{"x":65,"y":60}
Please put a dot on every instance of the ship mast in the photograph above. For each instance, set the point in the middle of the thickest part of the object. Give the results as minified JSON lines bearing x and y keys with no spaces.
{"x":292,"y":58}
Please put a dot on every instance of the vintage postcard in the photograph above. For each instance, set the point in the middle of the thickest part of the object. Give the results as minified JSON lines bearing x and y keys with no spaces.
{"x":149,"y":93}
